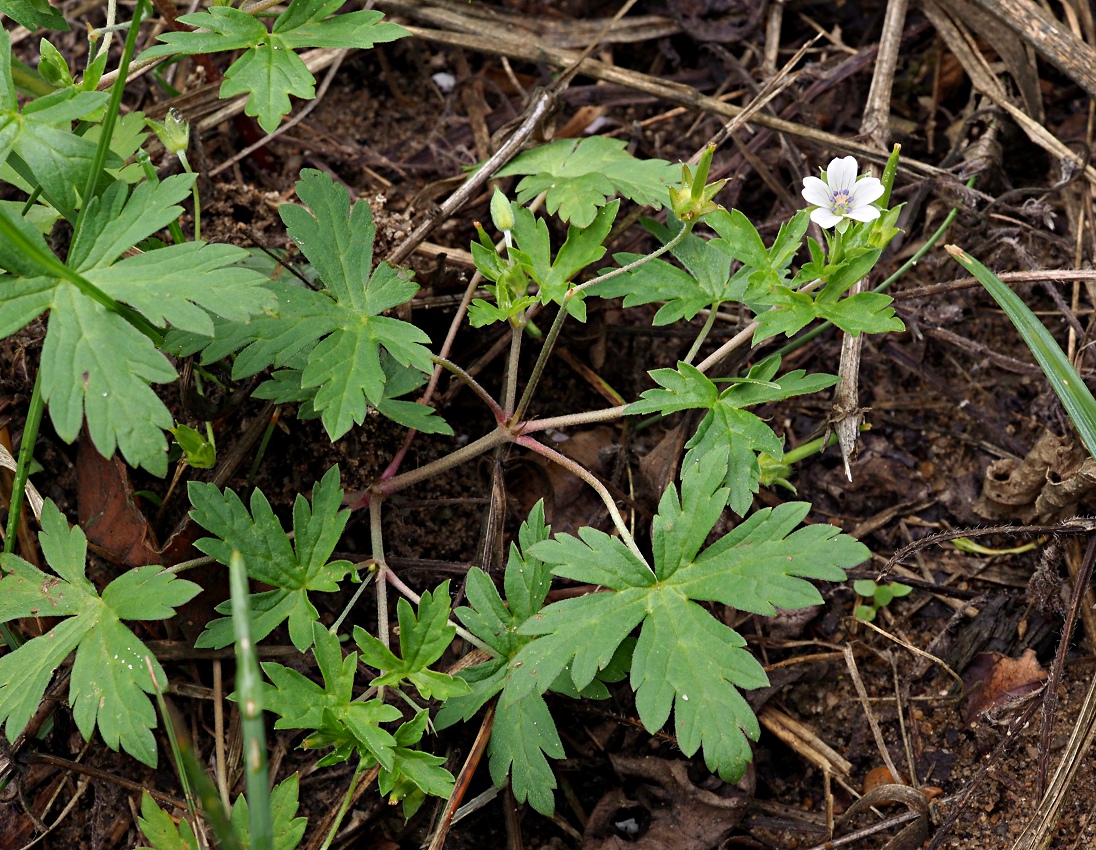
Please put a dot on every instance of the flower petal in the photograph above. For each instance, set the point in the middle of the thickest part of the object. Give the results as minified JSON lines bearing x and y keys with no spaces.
{"x":866,"y":190}
{"x":865,"y":213}
{"x":824,"y":218}
{"x":816,"y":192}
{"x":842,"y":173}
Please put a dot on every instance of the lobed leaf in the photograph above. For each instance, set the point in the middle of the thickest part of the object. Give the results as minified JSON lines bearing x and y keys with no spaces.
{"x":294,"y":571}
{"x":110,"y":679}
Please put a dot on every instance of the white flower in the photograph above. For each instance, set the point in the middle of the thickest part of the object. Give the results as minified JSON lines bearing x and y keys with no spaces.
{"x":841,"y":195}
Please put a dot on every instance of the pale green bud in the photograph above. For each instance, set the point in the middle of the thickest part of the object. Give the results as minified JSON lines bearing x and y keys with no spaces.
{"x":501,"y":213}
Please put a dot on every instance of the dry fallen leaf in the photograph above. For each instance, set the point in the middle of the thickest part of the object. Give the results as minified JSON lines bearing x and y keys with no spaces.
{"x":996,"y":683}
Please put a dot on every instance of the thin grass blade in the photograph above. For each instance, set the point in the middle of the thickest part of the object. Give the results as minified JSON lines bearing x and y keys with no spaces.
{"x":1067,"y":384}
{"x":249,"y":695}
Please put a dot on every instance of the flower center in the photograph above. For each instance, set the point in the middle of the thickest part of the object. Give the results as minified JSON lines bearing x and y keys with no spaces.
{"x":841,"y":202}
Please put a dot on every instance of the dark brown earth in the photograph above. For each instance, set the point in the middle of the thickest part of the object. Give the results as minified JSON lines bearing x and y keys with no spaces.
{"x":952,"y":395}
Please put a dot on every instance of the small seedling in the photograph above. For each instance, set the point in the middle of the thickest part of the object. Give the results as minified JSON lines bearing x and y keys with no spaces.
{"x":877,"y":596}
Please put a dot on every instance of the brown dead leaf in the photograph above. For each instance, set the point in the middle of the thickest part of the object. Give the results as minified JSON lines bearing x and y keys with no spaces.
{"x":113,"y":523}
{"x":995,"y":683}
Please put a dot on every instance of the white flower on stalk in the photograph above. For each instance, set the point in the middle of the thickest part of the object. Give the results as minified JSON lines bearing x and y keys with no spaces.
{"x":841,"y":195}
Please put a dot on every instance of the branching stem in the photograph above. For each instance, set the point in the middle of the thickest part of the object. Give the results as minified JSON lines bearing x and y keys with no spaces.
{"x":407,"y":479}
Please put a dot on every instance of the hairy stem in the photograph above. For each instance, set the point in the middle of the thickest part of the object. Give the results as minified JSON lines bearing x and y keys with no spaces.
{"x":473,"y":385}
{"x":407,"y":479}
{"x":703,"y":335}
{"x":635,"y":264}
{"x":377,"y":541}
{"x":592,"y":480}
{"x":542,"y":361}
{"x":345,"y":805}
{"x":737,"y":341}
{"x":572,"y":419}
{"x":511,"y":393}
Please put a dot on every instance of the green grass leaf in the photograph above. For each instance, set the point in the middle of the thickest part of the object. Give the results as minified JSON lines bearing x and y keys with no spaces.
{"x":1067,"y":384}
{"x":110,"y":676}
{"x":581,"y":175}
{"x":294,"y":569}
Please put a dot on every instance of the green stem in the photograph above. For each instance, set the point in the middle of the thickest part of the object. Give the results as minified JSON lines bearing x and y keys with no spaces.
{"x":197,"y":203}
{"x":635,"y":264}
{"x":704,"y":331}
{"x":345,"y":806}
{"x":22,"y":468}
{"x":111,"y":116}
{"x":561,"y":316}
{"x":150,"y":174}
{"x":542,"y":360}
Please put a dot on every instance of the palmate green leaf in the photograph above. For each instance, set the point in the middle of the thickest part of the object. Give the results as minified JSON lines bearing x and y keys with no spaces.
{"x":287,"y":828}
{"x":330,"y":711}
{"x":423,"y":640}
{"x":524,"y":735}
{"x":159,"y":829}
{"x":294,"y":569}
{"x":415,"y":774}
{"x":116,"y":220}
{"x":269,"y":71}
{"x":727,"y":427}
{"x":706,"y":280}
{"x":685,"y":660}
{"x":341,"y":331}
{"x":39,"y":143}
{"x":582,"y":247}
{"x":34,"y":14}
{"x":95,"y":364}
{"x":110,"y":679}
{"x":582,"y":175}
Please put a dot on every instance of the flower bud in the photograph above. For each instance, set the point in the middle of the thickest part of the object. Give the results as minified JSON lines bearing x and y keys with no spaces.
{"x":501,"y":213}
{"x":173,"y":132}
